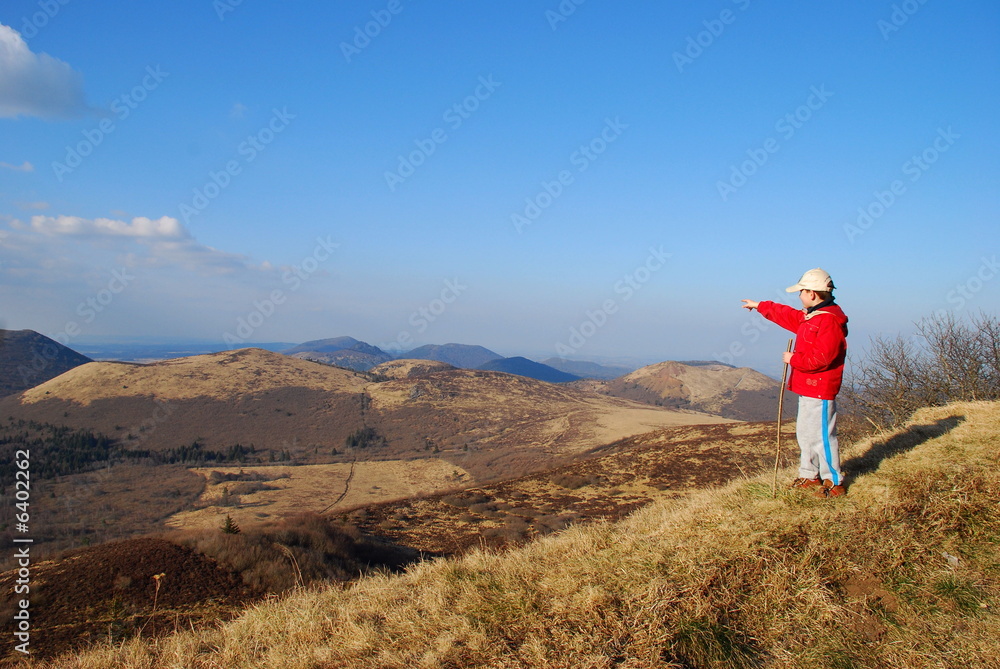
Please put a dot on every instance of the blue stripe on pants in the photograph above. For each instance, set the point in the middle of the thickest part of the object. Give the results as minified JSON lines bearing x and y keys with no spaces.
{"x":826,"y":443}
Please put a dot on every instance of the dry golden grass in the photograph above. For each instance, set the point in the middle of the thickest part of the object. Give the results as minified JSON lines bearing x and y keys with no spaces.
{"x":217,"y":376}
{"x":315,"y":488}
{"x":903,"y":572}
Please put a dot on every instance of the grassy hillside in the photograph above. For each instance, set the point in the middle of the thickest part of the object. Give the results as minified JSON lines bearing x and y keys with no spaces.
{"x":903,"y":572}
{"x":740,"y":393}
{"x":609,"y":483}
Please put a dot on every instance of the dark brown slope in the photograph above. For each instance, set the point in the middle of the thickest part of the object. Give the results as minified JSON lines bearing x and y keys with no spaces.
{"x":115,"y":586}
{"x":28,"y":358}
{"x":607,"y":483}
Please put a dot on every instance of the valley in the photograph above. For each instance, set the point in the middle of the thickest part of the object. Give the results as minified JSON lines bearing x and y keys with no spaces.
{"x":255,"y":459}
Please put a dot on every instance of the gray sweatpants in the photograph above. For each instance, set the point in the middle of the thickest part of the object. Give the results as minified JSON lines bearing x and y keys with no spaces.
{"x":816,"y":431}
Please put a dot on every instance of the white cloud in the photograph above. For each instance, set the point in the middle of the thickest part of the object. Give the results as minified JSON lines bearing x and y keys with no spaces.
{"x":164,"y":227}
{"x":36,"y":84}
{"x":23,"y":167}
{"x":141,"y":242}
{"x":51,"y":265}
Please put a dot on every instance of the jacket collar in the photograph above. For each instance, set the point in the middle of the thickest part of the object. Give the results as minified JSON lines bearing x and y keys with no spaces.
{"x":825,"y":303}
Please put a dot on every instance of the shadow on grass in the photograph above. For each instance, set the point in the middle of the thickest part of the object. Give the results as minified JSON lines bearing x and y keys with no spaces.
{"x":900,"y":443}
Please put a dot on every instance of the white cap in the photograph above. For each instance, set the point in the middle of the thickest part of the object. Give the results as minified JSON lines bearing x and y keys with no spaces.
{"x":815,"y":279}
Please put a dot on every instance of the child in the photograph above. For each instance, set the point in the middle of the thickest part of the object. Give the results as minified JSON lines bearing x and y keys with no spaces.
{"x":817,"y":364}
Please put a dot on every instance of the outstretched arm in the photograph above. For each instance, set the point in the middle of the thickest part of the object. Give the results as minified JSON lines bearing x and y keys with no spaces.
{"x":750,"y":304}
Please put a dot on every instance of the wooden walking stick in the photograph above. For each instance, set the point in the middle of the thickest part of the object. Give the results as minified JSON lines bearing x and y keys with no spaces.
{"x":781,"y":403}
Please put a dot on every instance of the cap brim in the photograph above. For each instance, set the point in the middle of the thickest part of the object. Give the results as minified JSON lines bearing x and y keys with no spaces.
{"x":794,"y":289}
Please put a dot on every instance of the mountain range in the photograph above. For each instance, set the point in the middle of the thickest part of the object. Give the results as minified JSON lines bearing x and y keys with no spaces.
{"x":357,"y":355}
{"x":493,"y":423}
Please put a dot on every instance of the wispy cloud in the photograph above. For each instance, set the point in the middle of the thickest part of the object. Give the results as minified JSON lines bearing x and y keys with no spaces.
{"x":36,"y":84}
{"x":37,"y":205}
{"x":161,"y":228}
{"x":140,"y":242}
{"x":23,"y":167}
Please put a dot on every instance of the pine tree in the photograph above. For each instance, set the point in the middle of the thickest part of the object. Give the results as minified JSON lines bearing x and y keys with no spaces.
{"x":230,"y":526}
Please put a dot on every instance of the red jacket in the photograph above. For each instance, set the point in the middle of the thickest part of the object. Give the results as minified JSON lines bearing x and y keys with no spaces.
{"x":820,"y":347}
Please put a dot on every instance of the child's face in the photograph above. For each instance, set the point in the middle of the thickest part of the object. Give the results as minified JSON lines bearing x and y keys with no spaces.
{"x":809,"y":298}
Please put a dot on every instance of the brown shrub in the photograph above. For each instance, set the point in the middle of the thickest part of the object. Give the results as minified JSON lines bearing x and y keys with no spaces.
{"x":574,"y":481}
{"x":465,"y":500}
{"x":273,"y":557}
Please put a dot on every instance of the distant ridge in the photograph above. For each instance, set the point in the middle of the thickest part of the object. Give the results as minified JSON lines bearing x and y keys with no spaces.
{"x":328,"y":345}
{"x":529,"y":368}
{"x":28,"y":359}
{"x":340,"y":351}
{"x":463,"y":356}
{"x":587,"y":370}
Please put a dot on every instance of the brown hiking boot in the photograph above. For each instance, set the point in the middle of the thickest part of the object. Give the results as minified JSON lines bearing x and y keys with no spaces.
{"x":830,"y":490}
{"x":805,"y":484}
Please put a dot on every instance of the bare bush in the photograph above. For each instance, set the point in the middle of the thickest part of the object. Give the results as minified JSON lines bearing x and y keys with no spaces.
{"x":574,"y":481}
{"x":947,"y":360}
{"x":301,"y":549}
{"x":465,"y":500}
{"x":249,"y":487}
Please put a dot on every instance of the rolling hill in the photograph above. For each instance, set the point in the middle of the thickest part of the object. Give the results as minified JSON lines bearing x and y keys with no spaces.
{"x":28,"y":358}
{"x":405,"y":368}
{"x":740,"y":393}
{"x":489,"y":423}
{"x":248,"y":396}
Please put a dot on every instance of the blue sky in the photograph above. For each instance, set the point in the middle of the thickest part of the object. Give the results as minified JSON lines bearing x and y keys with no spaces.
{"x":602,"y":180}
